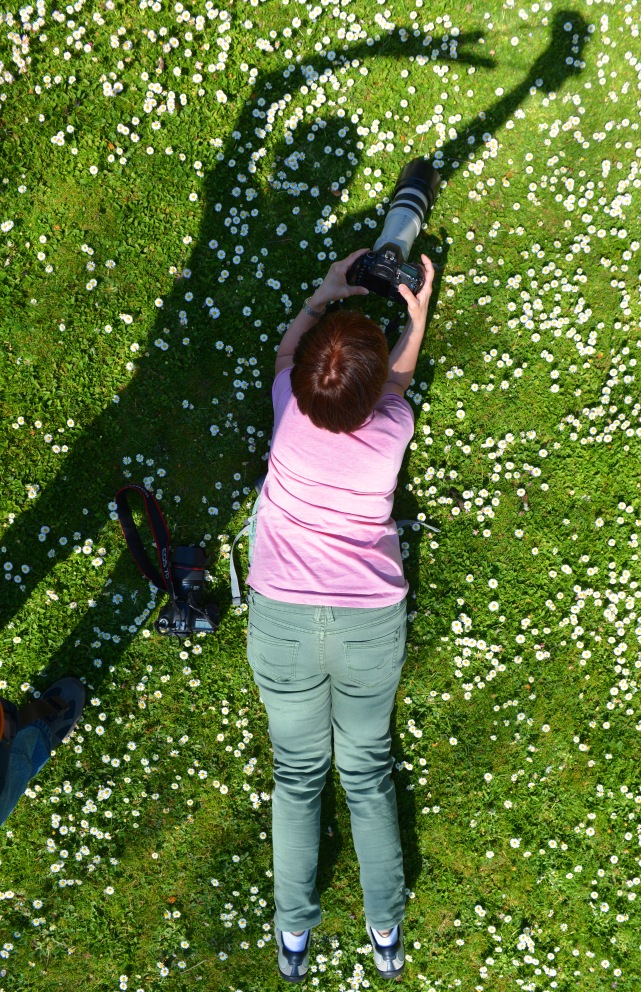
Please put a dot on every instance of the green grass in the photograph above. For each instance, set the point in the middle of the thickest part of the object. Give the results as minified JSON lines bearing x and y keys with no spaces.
{"x":519,"y":881}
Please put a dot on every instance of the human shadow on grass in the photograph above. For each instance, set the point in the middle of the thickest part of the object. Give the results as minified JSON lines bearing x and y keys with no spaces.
{"x":92,"y":472}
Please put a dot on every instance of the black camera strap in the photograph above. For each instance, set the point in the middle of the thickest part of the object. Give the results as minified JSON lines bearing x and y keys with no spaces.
{"x":162,"y":580}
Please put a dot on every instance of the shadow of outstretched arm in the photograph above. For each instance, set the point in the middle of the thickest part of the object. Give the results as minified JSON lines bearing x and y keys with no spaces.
{"x":561,"y":59}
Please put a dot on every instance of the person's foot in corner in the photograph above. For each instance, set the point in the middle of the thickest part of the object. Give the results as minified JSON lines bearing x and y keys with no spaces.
{"x":59,"y":707}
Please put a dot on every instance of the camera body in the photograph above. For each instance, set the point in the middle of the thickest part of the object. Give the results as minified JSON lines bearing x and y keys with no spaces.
{"x":386,"y":267}
{"x":382,"y":272}
{"x":184,"y":615}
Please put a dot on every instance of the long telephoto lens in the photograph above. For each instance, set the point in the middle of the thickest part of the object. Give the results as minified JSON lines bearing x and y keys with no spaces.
{"x":412,"y":201}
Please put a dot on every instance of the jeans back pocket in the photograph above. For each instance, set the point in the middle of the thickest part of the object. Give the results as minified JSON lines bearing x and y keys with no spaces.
{"x":374,"y":661}
{"x":273,"y":657}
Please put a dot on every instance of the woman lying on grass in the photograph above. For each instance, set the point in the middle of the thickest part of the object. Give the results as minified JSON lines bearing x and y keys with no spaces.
{"x":327,"y":610}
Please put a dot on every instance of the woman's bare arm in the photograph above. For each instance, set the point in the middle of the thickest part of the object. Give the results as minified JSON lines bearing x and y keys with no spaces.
{"x":333,"y":287}
{"x":404,"y":355}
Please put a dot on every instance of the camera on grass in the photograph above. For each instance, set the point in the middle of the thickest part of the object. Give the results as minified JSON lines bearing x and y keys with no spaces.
{"x":181,"y":575}
{"x":185,"y":615}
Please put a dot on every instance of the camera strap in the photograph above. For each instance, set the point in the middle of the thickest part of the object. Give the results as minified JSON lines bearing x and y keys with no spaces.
{"x":416,"y":525}
{"x":162,"y":580}
{"x":248,"y":530}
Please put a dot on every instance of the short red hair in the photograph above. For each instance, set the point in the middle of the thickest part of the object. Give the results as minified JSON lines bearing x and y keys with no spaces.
{"x":340,"y":368}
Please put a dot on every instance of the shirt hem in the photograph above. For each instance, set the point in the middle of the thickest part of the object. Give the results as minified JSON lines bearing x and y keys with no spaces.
{"x":331,"y":599}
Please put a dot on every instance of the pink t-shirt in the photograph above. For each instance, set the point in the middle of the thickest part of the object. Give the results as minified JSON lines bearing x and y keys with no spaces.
{"x":324,"y":534}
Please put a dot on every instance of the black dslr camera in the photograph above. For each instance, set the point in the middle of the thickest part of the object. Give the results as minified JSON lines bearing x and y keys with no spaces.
{"x":184,"y":615}
{"x":385,"y":268}
{"x":181,"y":575}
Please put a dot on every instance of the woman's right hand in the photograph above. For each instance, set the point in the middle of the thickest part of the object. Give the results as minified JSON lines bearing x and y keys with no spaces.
{"x":417,"y":305}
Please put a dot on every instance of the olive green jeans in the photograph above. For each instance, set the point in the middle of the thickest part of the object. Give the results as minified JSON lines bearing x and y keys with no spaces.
{"x":330,"y":672}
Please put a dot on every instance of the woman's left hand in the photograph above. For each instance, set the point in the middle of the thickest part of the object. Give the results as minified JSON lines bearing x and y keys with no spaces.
{"x":335,"y":285}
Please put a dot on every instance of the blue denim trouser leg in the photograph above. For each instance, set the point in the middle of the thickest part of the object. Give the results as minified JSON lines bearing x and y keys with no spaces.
{"x":30,"y":750}
{"x":323,"y":671}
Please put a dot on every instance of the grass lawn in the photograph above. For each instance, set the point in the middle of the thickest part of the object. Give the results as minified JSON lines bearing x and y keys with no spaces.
{"x":175,"y":179}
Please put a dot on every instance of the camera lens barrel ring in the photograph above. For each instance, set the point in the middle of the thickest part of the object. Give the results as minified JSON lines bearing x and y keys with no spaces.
{"x":411,"y":199}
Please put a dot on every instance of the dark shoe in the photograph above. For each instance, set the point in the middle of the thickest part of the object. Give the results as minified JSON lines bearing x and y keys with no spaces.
{"x":293,"y":965}
{"x":389,"y":961}
{"x":60,"y":707}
